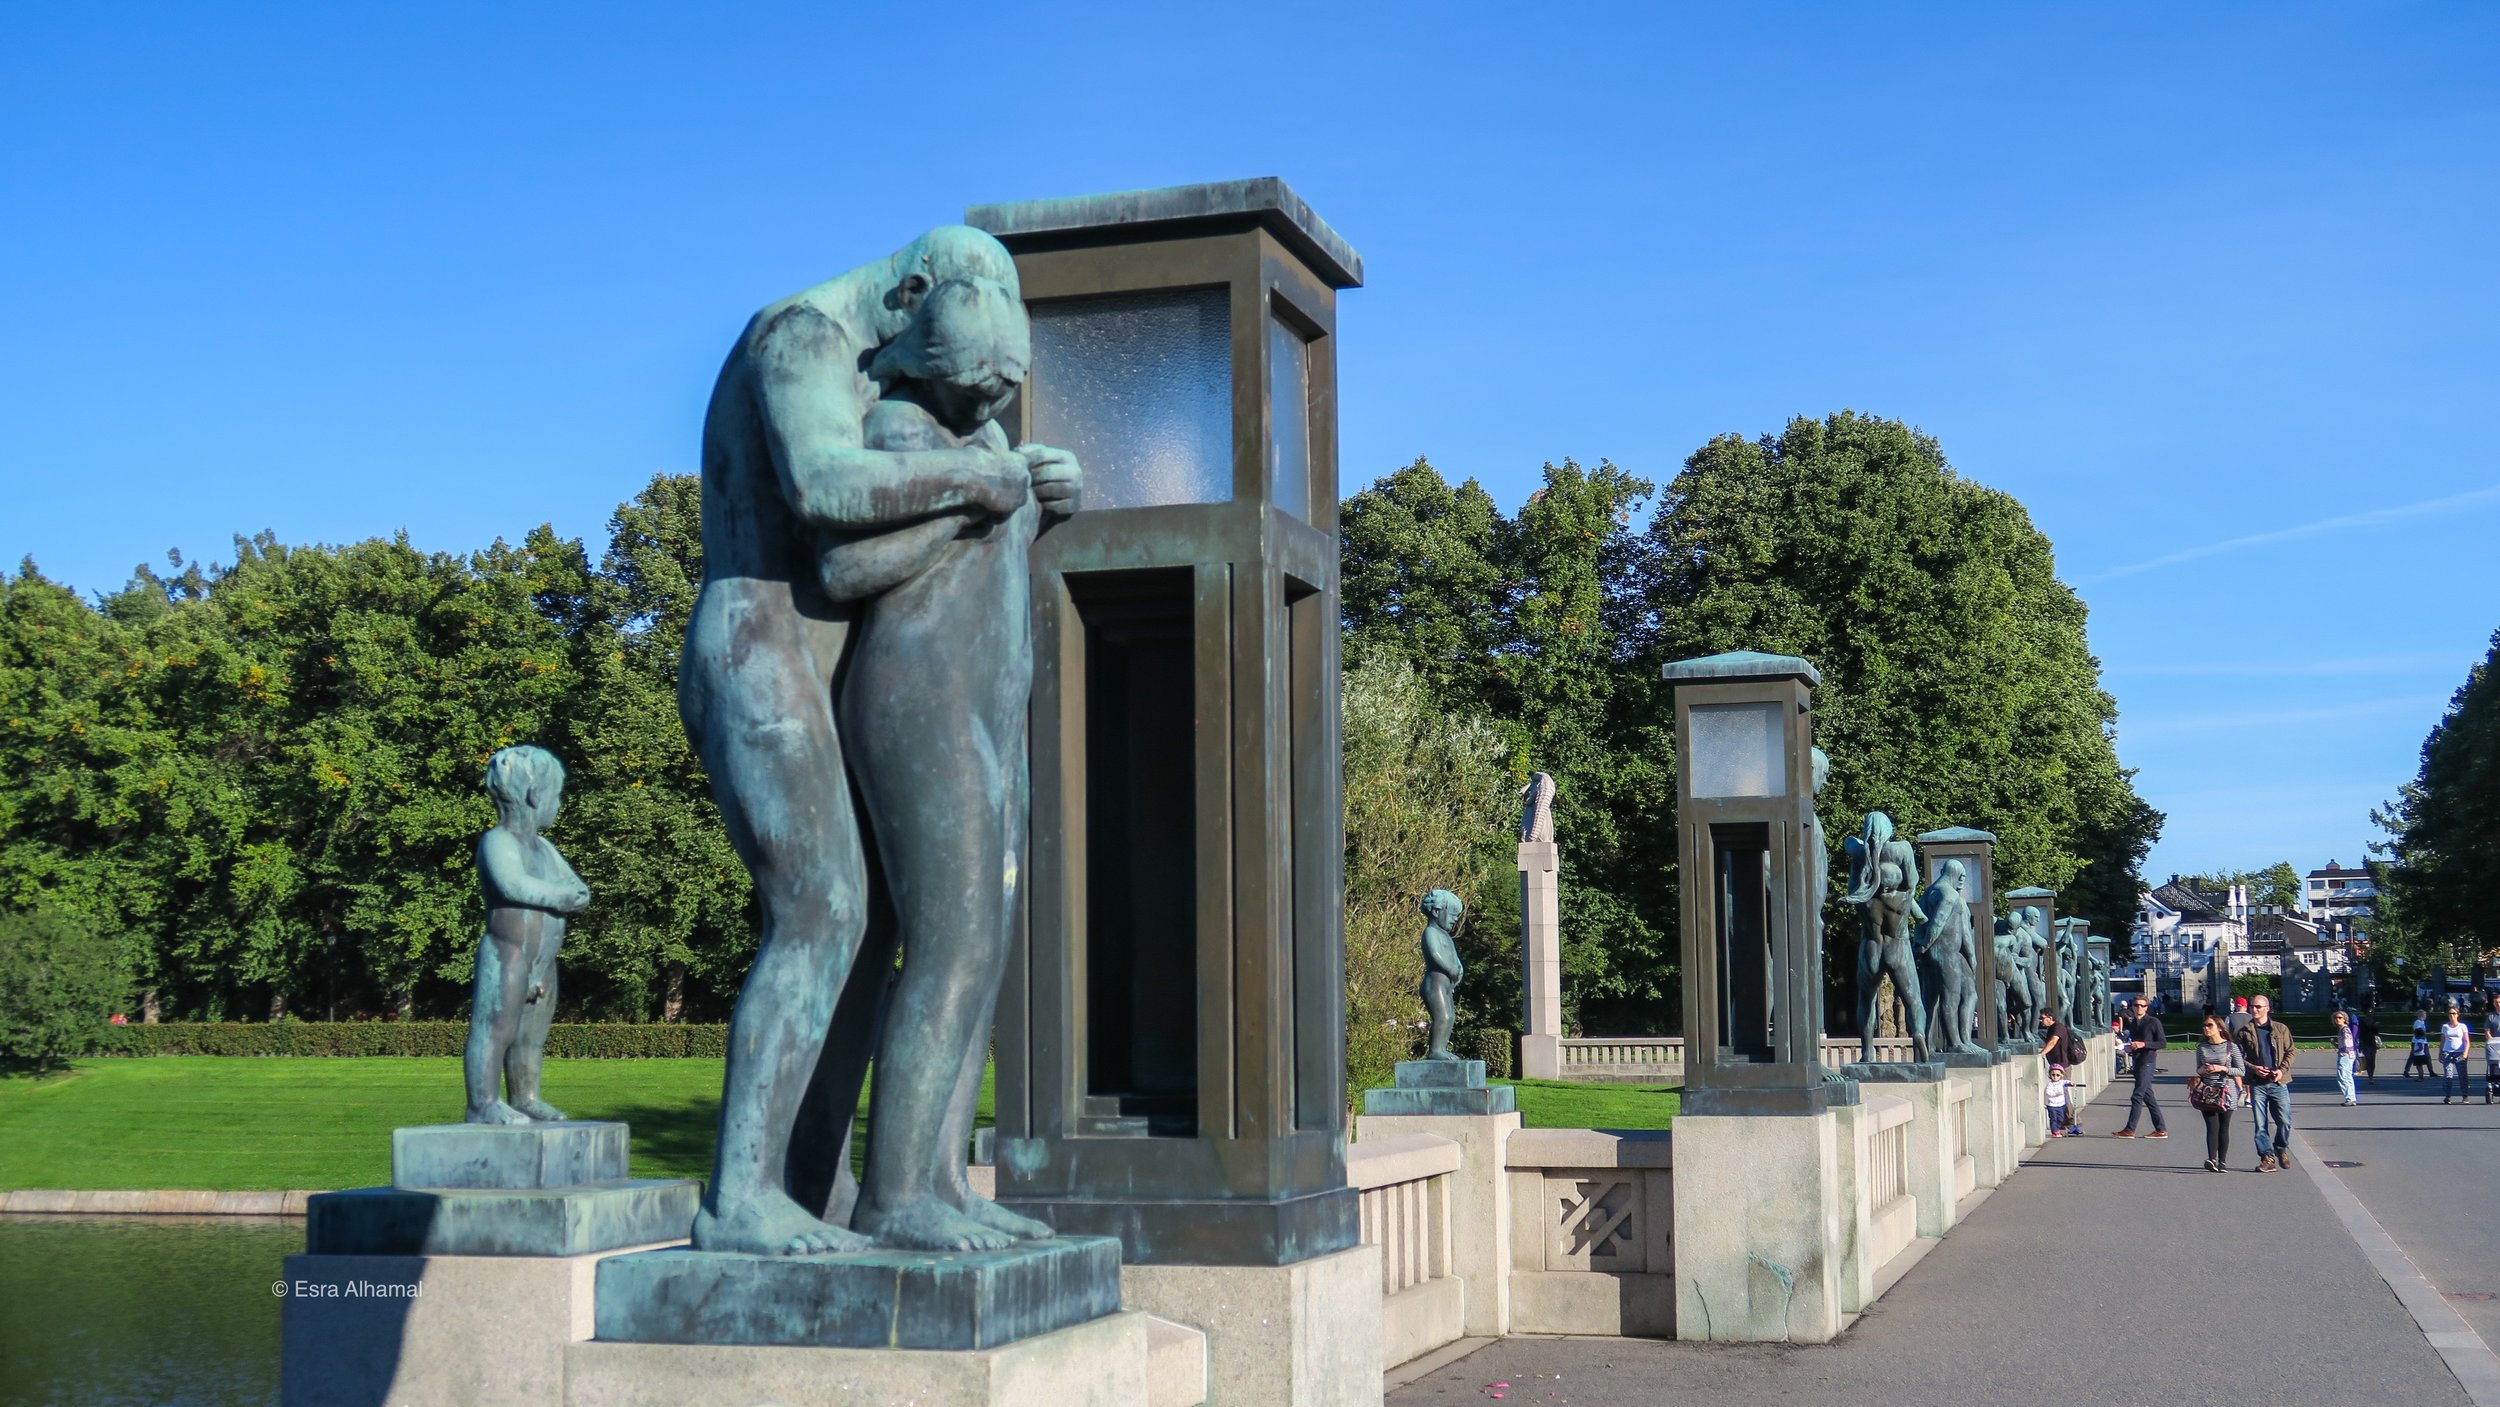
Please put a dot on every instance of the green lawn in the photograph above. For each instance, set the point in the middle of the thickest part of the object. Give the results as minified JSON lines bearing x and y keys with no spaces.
{"x":1554,"y":1104}
{"x":231,"y":1123}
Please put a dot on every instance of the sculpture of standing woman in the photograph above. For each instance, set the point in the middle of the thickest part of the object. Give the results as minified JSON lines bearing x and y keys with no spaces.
{"x":1442,"y":969}
{"x":1882,"y":871}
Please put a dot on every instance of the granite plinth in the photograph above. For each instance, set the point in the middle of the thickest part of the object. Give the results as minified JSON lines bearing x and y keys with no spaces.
{"x":1899,"y":1072}
{"x":1500,"y":1099}
{"x":1440,"y":1074}
{"x":862,"y":1299}
{"x":560,"y":1221}
{"x":568,"y":1154}
{"x":1427,"y":1087}
{"x":1107,"y":1362}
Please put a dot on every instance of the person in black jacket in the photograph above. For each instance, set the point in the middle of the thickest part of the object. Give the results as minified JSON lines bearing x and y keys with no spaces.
{"x":2143,"y":1039}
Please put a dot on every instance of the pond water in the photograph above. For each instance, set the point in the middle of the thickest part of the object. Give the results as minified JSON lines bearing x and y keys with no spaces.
{"x":130,"y":1311}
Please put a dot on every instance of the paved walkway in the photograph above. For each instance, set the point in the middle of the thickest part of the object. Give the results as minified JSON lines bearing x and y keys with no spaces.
{"x":2113,"y":1271}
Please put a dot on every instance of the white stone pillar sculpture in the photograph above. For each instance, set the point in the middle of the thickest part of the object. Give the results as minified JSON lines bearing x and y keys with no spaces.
{"x":1540,"y":934}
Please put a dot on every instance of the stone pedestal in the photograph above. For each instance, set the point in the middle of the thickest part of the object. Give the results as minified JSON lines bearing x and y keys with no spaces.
{"x":1540,"y":955}
{"x":567,"y":1154}
{"x":1111,"y":1361}
{"x":1480,"y":1255}
{"x":1894,"y":1072}
{"x":1932,"y":1158}
{"x":553,"y":1221}
{"x":423,"y":1331}
{"x":1758,"y":1236}
{"x":1300,"y":1335}
{"x":1440,"y":1087}
{"x":939,"y":1300}
{"x":555,"y":1189}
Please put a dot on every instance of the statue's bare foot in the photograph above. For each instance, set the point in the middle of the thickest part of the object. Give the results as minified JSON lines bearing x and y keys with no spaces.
{"x":998,"y":1218}
{"x":497,"y":1113}
{"x":770,"y":1224}
{"x":927,"y":1224}
{"x":540,"y":1110}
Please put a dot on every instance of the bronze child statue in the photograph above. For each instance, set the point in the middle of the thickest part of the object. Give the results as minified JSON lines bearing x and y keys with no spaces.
{"x":1442,"y":969}
{"x":529,"y":892}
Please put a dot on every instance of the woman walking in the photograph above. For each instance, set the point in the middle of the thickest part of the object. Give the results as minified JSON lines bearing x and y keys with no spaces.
{"x":2491,"y":1053}
{"x":2347,"y":1055}
{"x":2221,"y":1083}
{"x":2455,"y":1038}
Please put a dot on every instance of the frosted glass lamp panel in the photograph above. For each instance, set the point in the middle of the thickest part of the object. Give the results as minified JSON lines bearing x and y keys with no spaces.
{"x":1289,"y":403}
{"x":1738,"y":751}
{"x":1139,"y":387}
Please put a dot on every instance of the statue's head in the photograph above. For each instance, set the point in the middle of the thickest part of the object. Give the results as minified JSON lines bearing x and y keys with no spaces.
{"x":526,"y":783}
{"x":1443,"y":909}
{"x":947,"y":252}
{"x":1953,"y":874}
{"x":969,"y":344}
{"x":1878,"y":830}
{"x":1822,"y":769}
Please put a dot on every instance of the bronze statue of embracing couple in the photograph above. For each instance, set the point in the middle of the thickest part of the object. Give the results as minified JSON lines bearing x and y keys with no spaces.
{"x":855,"y":679}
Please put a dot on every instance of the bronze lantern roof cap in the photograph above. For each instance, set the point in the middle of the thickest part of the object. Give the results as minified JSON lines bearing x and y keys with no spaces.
{"x":1264,"y":202}
{"x":2034,"y":892}
{"x":1957,"y":834}
{"x":1741,"y":664}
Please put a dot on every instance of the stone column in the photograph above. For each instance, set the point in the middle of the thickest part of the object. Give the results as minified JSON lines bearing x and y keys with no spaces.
{"x":1540,"y":953}
{"x":1759,"y":1215}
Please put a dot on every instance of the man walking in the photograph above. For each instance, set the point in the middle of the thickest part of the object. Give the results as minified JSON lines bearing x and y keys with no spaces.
{"x":2370,"y":1040}
{"x":2144,"y":1038}
{"x":2238,"y":1021}
{"x":2266,"y":1048}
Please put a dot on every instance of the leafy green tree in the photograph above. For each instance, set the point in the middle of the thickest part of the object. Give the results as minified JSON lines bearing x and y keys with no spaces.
{"x":335,"y":708}
{"x":61,"y":983}
{"x":1958,"y":688}
{"x":1518,"y":620}
{"x":2443,"y":831}
{"x":671,"y":895}
{"x":1422,"y":787}
{"x":84,"y":764}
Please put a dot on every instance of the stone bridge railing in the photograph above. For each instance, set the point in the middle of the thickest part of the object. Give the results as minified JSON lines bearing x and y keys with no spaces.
{"x":1405,"y":1183}
{"x":1488,"y":1228}
{"x":1660,"y":1059}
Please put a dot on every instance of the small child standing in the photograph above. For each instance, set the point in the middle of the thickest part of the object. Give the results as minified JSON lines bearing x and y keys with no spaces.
{"x":2061,"y":1119}
{"x":2421,"y":1053}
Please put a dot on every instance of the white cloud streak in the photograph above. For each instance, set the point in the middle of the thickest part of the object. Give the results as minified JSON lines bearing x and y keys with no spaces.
{"x":2297,"y":667}
{"x":2431,"y":706}
{"x":2350,"y":522}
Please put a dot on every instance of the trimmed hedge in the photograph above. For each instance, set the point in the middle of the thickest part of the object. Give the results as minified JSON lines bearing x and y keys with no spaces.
{"x":587,"y":1041}
{"x":1492,"y":1047}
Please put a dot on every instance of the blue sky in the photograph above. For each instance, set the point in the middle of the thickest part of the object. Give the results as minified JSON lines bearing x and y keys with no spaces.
{"x":2214,"y":280}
